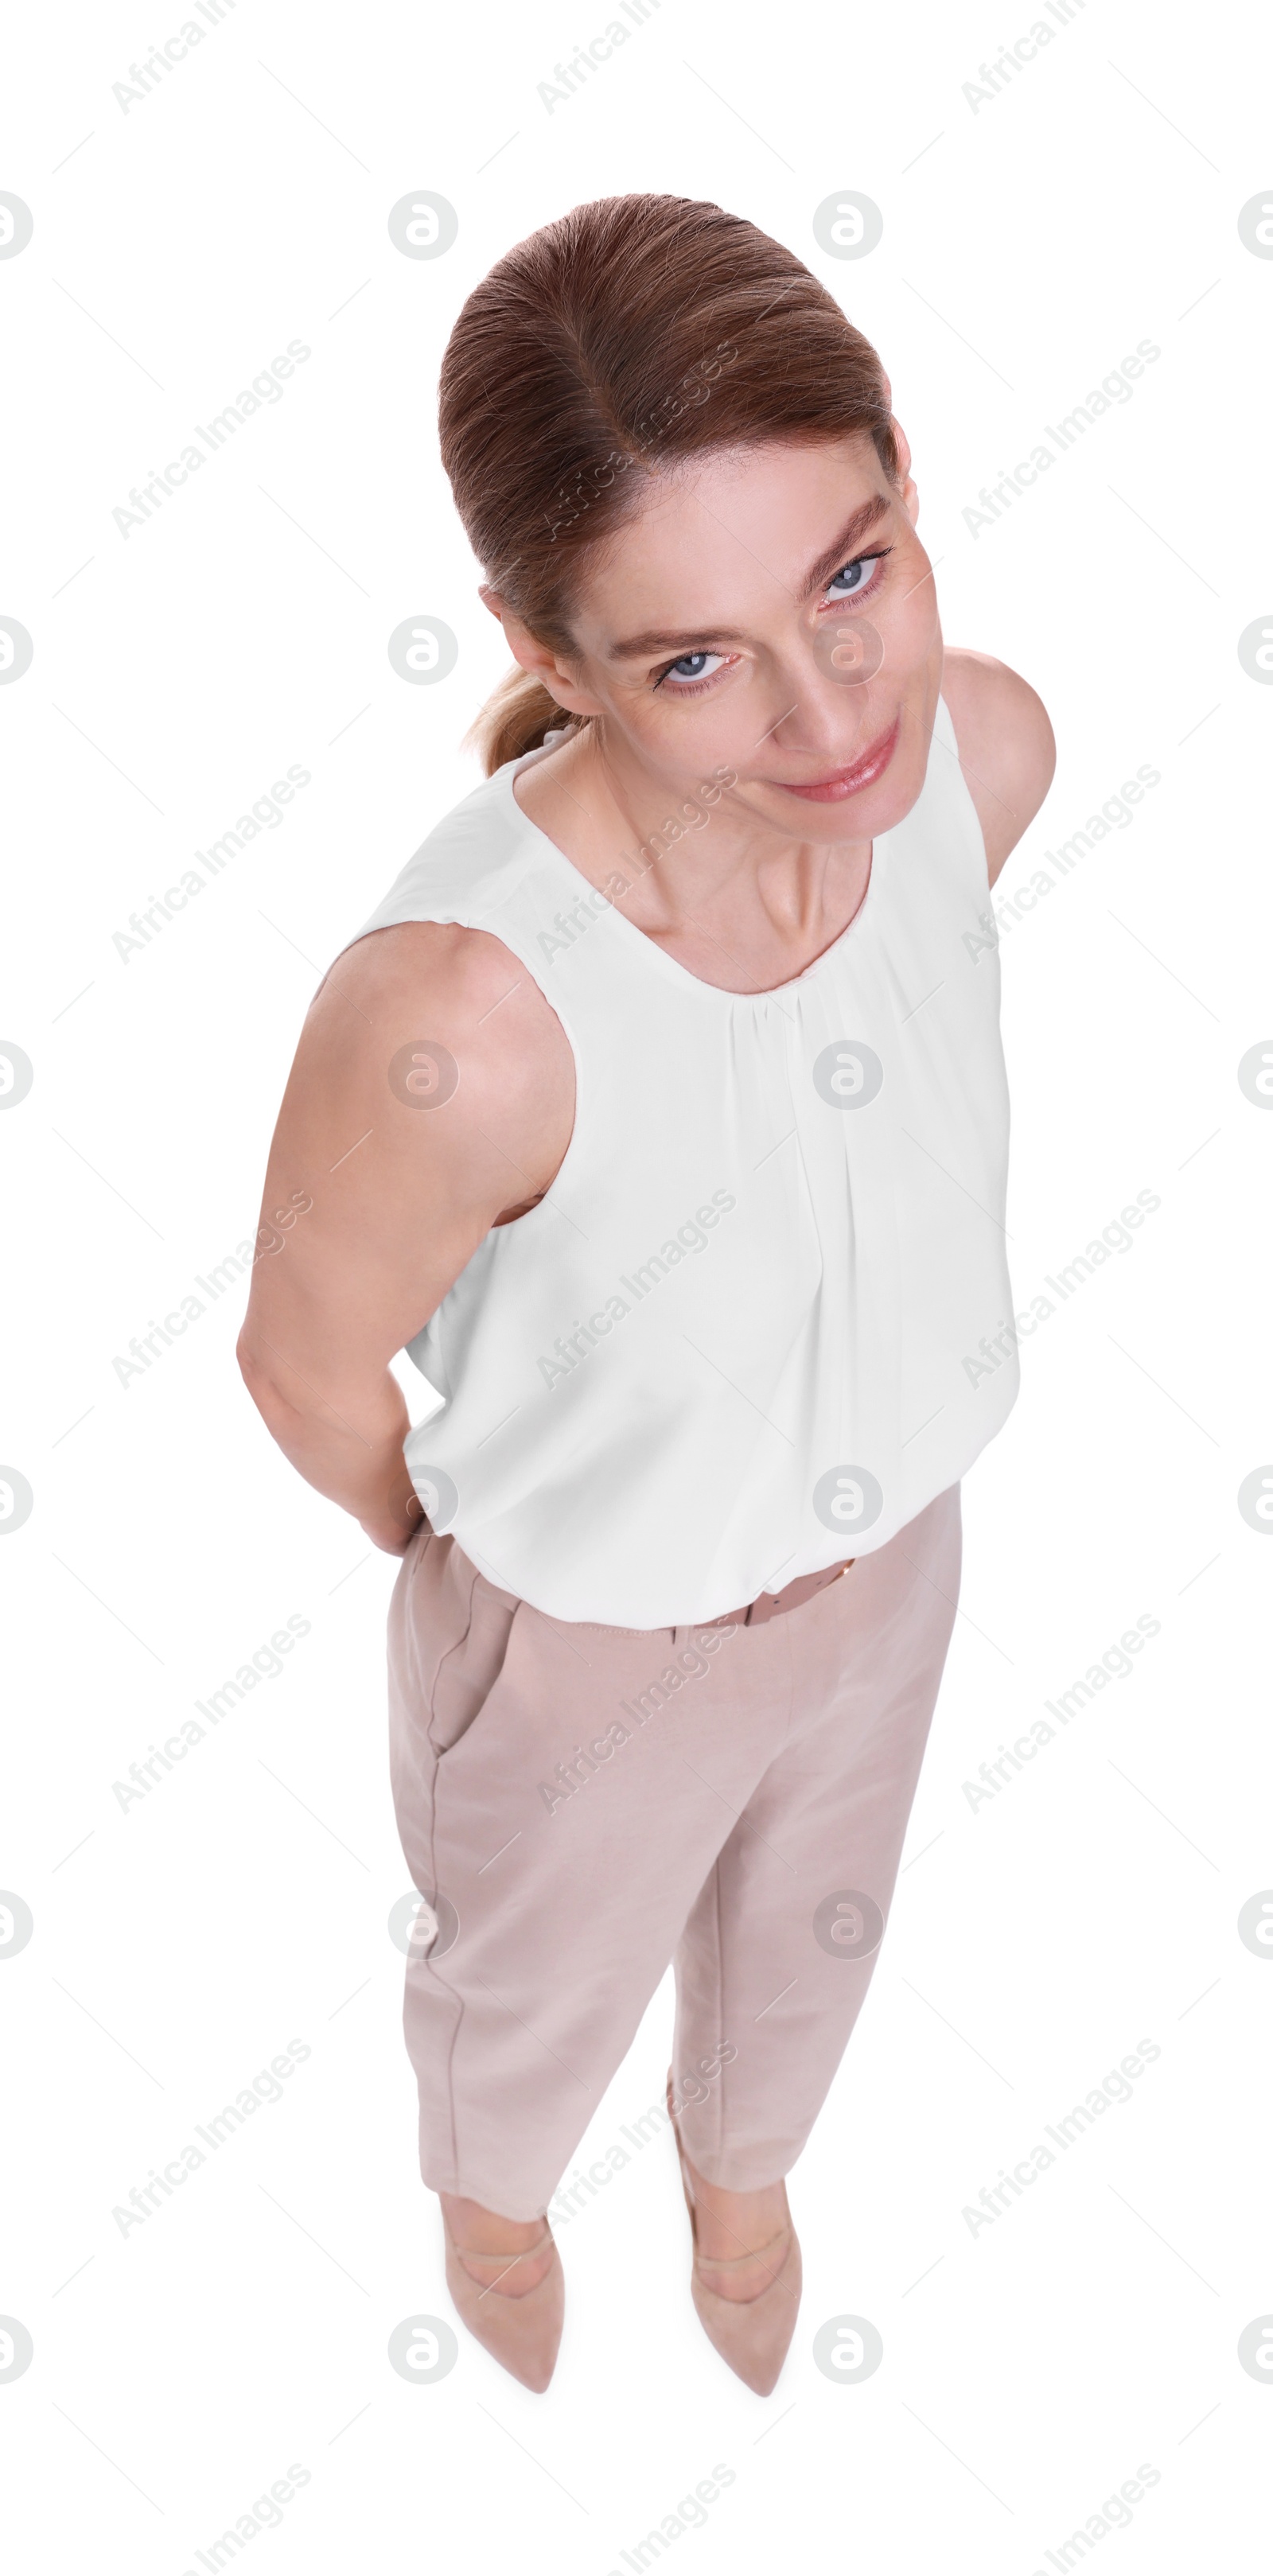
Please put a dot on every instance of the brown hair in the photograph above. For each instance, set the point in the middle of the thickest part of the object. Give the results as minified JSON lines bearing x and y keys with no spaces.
{"x":634,"y":331}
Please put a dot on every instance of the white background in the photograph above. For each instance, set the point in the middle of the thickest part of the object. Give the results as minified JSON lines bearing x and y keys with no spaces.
{"x":1030,"y":241}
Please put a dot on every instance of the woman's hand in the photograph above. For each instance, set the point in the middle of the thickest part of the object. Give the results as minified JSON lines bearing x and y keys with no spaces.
{"x":396,"y":1525}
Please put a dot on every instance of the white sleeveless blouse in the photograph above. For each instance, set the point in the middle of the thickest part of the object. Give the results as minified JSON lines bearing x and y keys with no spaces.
{"x":739,"y":1338}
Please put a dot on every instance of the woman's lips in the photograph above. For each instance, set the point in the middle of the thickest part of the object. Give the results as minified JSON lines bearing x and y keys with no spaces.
{"x":849,"y":782}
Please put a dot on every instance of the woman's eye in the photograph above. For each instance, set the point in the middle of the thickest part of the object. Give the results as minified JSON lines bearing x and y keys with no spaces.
{"x":854,"y":576}
{"x":690,"y":667}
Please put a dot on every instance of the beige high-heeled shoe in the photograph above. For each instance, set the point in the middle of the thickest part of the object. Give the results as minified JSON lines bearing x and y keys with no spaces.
{"x":752,"y":2335}
{"x":522,"y":2334}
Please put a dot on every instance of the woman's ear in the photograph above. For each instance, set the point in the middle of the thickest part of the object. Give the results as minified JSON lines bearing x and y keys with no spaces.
{"x":539,"y":659}
{"x":910,"y":490}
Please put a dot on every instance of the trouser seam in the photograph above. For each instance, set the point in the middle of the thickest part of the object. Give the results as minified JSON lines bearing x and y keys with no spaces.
{"x":457,"y":1999}
{"x":720,"y":2035}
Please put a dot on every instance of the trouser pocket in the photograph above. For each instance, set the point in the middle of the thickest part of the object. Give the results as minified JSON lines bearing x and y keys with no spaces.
{"x":468,"y":1672}
{"x":448,"y":1634}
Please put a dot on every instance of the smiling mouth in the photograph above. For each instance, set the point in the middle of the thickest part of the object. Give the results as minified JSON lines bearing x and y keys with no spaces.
{"x":848,"y":782}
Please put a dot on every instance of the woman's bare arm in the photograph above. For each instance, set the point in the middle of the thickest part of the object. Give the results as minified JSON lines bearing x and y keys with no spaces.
{"x":405,"y":1176}
{"x":1007,"y":750}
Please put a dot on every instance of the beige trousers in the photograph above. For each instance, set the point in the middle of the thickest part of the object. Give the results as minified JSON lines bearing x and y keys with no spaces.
{"x":581,"y":1805}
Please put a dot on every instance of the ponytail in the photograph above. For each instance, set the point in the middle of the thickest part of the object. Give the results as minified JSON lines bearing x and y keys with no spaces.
{"x":515,"y":719}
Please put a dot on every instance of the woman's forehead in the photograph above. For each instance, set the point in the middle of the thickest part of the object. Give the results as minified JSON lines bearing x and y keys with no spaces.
{"x":730,"y":535}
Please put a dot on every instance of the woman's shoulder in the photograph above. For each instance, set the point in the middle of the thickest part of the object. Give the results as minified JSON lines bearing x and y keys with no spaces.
{"x":419,"y":961}
{"x":1006,"y":746}
{"x":444,"y":1018}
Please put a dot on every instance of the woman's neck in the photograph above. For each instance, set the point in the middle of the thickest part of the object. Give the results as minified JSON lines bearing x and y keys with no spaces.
{"x":734,"y":902}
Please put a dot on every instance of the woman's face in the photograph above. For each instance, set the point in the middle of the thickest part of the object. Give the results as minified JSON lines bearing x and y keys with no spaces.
{"x":770,"y":611}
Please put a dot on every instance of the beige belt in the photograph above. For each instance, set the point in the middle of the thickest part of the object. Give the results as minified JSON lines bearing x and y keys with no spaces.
{"x":769,"y":1605}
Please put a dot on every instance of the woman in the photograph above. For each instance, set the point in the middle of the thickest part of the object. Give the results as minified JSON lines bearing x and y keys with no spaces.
{"x":660,"y":1112}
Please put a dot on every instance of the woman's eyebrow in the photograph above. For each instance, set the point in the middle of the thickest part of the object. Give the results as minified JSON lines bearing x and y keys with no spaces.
{"x":656,"y":640}
{"x":635,"y":647}
{"x":866,"y":516}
